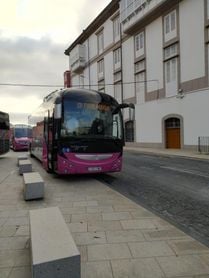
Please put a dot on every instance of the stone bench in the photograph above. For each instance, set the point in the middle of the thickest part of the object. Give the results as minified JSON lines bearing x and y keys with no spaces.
{"x":25,"y":166}
{"x":33,"y":186}
{"x":21,"y":157}
{"x":53,"y":250}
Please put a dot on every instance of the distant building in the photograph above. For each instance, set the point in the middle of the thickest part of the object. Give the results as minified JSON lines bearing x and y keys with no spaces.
{"x":67,"y":79}
{"x":154,"y":53}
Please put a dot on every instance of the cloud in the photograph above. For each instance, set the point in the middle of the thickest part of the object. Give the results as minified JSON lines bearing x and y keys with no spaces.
{"x":88,"y":17}
{"x":63,"y":20}
{"x":33,"y":37}
{"x":18,"y":118}
{"x":29,"y":61}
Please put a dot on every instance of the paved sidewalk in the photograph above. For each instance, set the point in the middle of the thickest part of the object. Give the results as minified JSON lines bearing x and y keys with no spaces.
{"x":116,"y":237}
{"x":175,"y":152}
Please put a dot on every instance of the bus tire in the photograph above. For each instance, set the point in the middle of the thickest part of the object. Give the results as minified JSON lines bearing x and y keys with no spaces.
{"x":49,"y":171}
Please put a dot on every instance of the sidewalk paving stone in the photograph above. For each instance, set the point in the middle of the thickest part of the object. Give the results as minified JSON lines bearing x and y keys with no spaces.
{"x":187,"y":246}
{"x":86,"y":217}
{"x":97,"y":269}
{"x":99,"y":209}
{"x":108,"y":252}
{"x":124,"y":236}
{"x":138,"y":224}
{"x":183,"y":265}
{"x":78,"y":227}
{"x":13,"y":243}
{"x":90,"y":238}
{"x":5,"y":272}
{"x":164,"y":234}
{"x":100,"y":226}
{"x":137,"y":268}
{"x":20,"y":272}
{"x":150,"y":249}
{"x":116,"y":237}
{"x":116,"y":216}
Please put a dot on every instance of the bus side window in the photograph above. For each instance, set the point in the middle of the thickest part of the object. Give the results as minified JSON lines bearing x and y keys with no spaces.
{"x":46,"y":128}
{"x":50,"y":128}
{"x":4,"y":125}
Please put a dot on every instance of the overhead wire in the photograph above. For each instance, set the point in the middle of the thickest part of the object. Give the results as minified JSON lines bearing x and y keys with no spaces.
{"x":61,"y":86}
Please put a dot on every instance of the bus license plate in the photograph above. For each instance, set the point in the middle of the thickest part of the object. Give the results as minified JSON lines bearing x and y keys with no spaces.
{"x":94,"y":169}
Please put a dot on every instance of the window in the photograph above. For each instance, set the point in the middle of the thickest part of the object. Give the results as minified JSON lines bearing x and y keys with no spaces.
{"x":171,"y":76}
{"x":139,"y":44}
{"x":170,"y":26}
{"x":172,"y":123}
{"x":100,"y":42}
{"x":116,"y":28}
{"x":140,"y":81}
{"x":171,"y":70}
{"x":140,"y":66}
{"x":171,"y":51}
{"x":100,"y":66}
{"x":170,"y":22}
{"x":130,"y":5}
{"x":118,"y":91}
{"x":81,"y":81}
{"x":101,"y":86}
{"x":117,"y":76}
{"x":170,"y":56}
{"x":117,"y":58}
{"x":140,"y":87}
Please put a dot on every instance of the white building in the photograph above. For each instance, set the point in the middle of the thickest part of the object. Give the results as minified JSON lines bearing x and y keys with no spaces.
{"x":155,"y":54}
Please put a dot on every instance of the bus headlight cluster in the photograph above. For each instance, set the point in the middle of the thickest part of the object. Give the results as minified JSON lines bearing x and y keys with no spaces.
{"x":65,"y":150}
{"x":67,"y":163}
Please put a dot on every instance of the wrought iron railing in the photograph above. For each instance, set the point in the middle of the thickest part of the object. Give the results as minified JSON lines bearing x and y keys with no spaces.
{"x":203,"y":144}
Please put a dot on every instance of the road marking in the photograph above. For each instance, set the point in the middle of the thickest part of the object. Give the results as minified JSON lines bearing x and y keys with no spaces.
{"x":185,"y":171}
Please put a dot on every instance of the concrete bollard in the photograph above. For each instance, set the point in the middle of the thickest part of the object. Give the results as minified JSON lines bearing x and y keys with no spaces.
{"x":25,"y":166}
{"x":33,"y":186}
{"x":53,"y":250}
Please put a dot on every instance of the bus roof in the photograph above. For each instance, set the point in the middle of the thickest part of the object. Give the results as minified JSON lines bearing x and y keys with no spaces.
{"x":21,"y":126}
{"x":76,"y":93}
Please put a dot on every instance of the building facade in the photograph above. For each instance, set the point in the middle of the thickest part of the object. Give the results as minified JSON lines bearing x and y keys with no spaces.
{"x":155,"y":54}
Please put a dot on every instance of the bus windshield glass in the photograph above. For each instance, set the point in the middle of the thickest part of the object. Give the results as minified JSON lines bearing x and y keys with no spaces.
{"x":91,"y":120}
{"x":22,"y":132}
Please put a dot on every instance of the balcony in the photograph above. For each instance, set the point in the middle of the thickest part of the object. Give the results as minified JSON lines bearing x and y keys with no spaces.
{"x":77,"y":58}
{"x":133,"y":12}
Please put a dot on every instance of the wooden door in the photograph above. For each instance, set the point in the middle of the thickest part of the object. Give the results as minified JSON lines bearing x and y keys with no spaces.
{"x":173,"y":138}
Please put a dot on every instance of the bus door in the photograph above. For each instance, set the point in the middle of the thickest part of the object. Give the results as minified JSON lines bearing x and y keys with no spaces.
{"x":48,"y":136}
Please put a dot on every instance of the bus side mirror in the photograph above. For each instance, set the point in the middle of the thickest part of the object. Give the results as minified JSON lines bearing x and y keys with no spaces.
{"x":58,"y":111}
{"x":122,"y":106}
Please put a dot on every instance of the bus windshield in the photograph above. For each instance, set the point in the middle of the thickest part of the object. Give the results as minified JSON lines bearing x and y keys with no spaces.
{"x":90,"y":120}
{"x":22,"y":132}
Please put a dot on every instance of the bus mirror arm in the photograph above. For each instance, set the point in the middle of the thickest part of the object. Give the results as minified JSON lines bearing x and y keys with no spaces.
{"x":122,"y":106}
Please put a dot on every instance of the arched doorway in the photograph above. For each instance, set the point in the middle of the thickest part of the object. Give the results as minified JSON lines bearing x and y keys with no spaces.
{"x":129,"y":131}
{"x":173,"y":133}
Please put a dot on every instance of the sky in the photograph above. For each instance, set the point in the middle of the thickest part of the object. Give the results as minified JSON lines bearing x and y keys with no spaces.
{"x":33,"y":37}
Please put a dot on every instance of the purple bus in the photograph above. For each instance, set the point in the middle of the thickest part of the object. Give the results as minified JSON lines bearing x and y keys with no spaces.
{"x":20,"y":137}
{"x":78,"y":131}
{"x":4,"y":132}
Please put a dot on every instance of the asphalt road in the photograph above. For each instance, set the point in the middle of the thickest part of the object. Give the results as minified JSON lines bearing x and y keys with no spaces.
{"x":175,"y":188}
